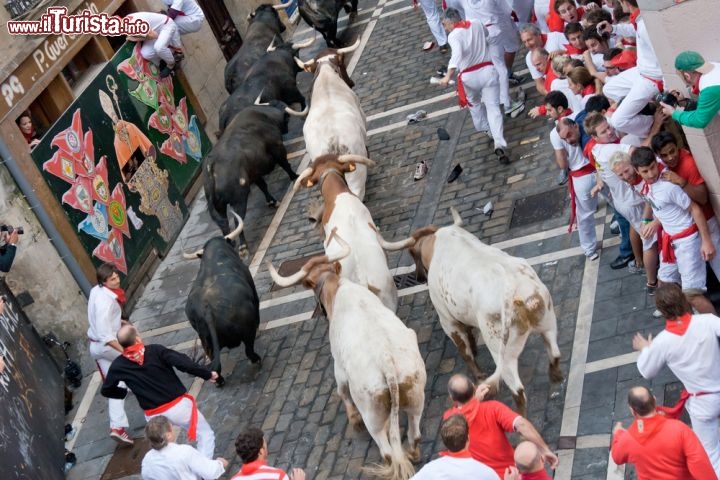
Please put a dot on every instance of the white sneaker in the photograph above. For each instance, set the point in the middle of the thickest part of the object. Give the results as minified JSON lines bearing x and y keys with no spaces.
{"x":657,"y":313}
{"x":420,"y":171}
{"x":634,"y":269}
{"x":516,"y":108}
{"x":593,"y":256}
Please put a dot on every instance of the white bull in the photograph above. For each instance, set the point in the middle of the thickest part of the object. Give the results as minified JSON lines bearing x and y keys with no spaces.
{"x":344,"y":212}
{"x":378,"y":367}
{"x":336,"y":122}
{"x":475,"y":286}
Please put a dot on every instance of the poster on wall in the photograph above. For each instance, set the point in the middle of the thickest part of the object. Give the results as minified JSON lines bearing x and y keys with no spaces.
{"x":121,"y":157}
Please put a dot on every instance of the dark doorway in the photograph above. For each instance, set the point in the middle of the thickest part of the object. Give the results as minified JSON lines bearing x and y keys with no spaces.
{"x":223,"y":28}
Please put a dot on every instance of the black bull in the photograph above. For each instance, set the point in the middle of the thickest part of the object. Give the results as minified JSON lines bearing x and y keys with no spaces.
{"x":223,"y":306}
{"x":249,"y":148}
{"x":322,"y":15}
{"x":273,"y":76}
{"x":264,"y":26}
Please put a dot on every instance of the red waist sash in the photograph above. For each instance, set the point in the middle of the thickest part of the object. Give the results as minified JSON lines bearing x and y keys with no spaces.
{"x":666,"y":247}
{"x":192,"y":429}
{"x":676,"y":410}
{"x":462,"y":96}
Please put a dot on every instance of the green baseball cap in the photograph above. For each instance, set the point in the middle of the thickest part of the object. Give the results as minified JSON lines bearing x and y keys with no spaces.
{"x":689,"y":61}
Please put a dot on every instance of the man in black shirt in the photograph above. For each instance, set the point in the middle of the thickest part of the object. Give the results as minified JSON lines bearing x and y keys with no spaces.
{"x":148,"y":371}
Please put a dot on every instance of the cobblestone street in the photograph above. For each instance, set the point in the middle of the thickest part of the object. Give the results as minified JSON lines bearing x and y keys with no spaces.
{"x":292,"y":396}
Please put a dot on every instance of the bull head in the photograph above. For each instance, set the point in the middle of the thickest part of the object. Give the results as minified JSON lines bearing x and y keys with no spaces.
{"x":325,"y":164}
{"x":333,"y":57}
{"x":229,"y":237}
{"x":313,"y":267}
{"x":420,"y":245}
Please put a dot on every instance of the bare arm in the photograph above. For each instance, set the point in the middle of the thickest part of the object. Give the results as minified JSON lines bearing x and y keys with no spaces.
{"x":540,"y":86}
{"x":707,"y":248}
{"x":561,"y":159}
{"x":697,"y":193}
{"x":526,"y":429}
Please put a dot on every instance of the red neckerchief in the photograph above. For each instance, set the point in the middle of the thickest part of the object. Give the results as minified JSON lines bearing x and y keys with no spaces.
{"x":646,"y":186}
{"x":587,"y":151}
{"x":573,"y":50}
{"x":678,"y":325}
{"x":637,"y":180}
{"x":464,"y":453}
{"x":250,"y":468}
{"x":135,"y":353}
{"x":462,"y":24}
{"x":120,"y":293}
{"x":633,"y":18}
{"x":696,"y":87}
{"x":589,"y":90}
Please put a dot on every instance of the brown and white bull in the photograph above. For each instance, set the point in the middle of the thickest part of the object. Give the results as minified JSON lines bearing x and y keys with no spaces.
{"x":378,"y":367}
{"x":476,"y":286}
{"x":336,"y":122}
{"x":345,"y":212}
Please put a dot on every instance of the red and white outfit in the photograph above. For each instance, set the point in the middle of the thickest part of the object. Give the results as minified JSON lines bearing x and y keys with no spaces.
{"x":455,"y":466}
{"x":662,"y":449}
{"x":626,"y":118}
{"x":191,"y":17}
{"x":179,"y":462}
{"x":623,"y":197}
{"x":551,"y":41}
{"x":689,"y":347}
{"x":158,"y":48}
{"x":503,"y":36}
{"x":488,"y":421}
{"x":432,"y":15}
{"x":258,"y":470}
{"x":477,"y":80}
{"x":104,"y":312}
{"x":580,"y":182}
{"x":680,"y":236}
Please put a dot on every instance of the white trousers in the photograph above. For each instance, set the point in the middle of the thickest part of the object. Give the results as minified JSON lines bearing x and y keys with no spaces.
{"x":503,"y":38}
{"x":631,"y":210}
{"x":689,"y":269}
{"x":542,"y":10}
{"x":481,"y":87}
{"x":626,"y":118}
{"x":432,"y":13}
{"x":704,"y":416}
{"x":159,"y":48}
{"x":189,"y":23}
{"x":523,"y":9}
{"x":179,"y":415}
{"x":714,"y":228}
{"x":104,"y":356}
{"x":585,"y":207}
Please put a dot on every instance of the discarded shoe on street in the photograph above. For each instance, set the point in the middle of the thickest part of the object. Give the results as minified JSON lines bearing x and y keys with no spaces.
{"x":443,"y":134}
{"x":420,"y":171}
{"x":455,"y":173}
{"x":416,"y":117}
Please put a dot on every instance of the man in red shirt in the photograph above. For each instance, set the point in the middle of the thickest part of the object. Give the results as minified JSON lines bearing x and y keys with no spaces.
{"x":660,"y":448}
{"x":529,"y":463}
{"x":251,"y":446}
{"x":488,"y":422}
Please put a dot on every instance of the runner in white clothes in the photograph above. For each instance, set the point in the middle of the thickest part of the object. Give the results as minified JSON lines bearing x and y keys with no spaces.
{"x":689,"y":346}
{"x":477,"y":81}
{"x":187,"y":15}
{"x":433,"y":15}
{"x":159,"y":43}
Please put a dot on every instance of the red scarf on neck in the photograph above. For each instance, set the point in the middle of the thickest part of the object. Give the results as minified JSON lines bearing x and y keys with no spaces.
{"x":589,"y":90}
{"x":29,"y":137}
{"x":464,"y":453}
{"x":645,"y":190}
{"x":120,"y":293}
{"x":633,"y":18}
{"x":135,"y":353}
{"x":572,"y":50}
{"x":696,"y":87}
{"x":250,"y":468}
{"x":462,"y":24}
{"x":678,"y":325}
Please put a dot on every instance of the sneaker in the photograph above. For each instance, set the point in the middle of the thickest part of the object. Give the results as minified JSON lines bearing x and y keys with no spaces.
{"x":562,"y":177}
{"x":515,"y":109}
{"x":444,"y":48}
{"x":442,"y":71}
{"x":166,"y":71}
{"x":427,"y":46}
{"x":615,"y":227}
{"x":651,"y":289}
{"x":121,"y":436}
{"x":416,"y":117}
{"x":657,"y":313}
{"x":516,"y":81}
{"x":621,"y":262}
{"x":502,"y":156}
{"x":593,"y":256}
{"x":420,"y":171}
{"x":635,"y":270}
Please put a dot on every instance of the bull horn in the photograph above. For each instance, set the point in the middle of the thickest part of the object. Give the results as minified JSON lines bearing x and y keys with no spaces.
{"x":282,"y":6}
{"x":295,"y":113}
{"x":305,"y":174}
{"x":305,"y":44}
{"x":457,"y":219}
{"x":192,"y":256}
{"x":351,"y":48}
{"x":271,"y":47}
{"x":343,"y":244}
{"x":257,"y":100}
{"x":393,"y":246}
{"x":349,"y":158}
{"x":238,"y":230}
{"x":285,"y":281}
{"x":299,"y":63}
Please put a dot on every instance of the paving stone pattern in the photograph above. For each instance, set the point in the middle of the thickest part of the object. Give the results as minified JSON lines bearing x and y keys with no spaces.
{"x":292,"y":395}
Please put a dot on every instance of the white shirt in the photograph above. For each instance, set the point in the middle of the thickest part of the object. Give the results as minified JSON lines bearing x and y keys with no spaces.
{"x":554,"y":41}
{"x":451,"y":468}
{"x":671,"y":206}
{"x":104,"y":314}
{"x":469,"y":46}
{"x":179,"y":462}
{"x":622,"y":193}
{"x":693,"y":357}
{"x":488,"y":12}
{"x":156,"y":20}
{"x":647,"y":61}
{"x":576,"y":159}
{"x":188,"y":7}
{"x":574,"y":101}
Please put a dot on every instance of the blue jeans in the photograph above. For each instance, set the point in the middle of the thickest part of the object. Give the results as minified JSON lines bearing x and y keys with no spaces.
{"x":625,"y":247}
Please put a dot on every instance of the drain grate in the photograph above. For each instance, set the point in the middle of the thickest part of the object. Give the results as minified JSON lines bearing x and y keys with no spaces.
{"x":539,"y":207}
{"x":405,"y":280}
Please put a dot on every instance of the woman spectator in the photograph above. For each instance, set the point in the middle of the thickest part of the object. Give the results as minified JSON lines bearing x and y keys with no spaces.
{"x":25,"y":123}
{"x":582,"y":83}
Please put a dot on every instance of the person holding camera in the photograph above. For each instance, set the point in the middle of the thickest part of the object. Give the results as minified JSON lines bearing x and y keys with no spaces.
{"x":8,"y":246}
{"x":703,"y":78}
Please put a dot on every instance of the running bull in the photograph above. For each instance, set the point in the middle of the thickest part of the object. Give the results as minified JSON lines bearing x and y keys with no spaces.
{"x":223,"y":306}
{"x":322,"y":15}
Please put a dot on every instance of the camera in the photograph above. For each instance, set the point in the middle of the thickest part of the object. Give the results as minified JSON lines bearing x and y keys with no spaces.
{"x":667,"y":98}
{"x":10,"y":229}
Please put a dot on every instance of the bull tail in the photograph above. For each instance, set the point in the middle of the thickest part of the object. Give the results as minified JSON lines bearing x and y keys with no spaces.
{"x":398,"y":466}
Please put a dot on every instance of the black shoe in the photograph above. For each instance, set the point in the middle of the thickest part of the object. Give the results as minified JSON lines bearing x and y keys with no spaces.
{"x":444,"y":48}
{"x":455,"y":173}
{"x":442,"y":71}
{"x":562,"y":177}
{"x":443,"y":134}
{"x":165,"y":71}
{"x":502,"y":156}
{"x":621,"y":262}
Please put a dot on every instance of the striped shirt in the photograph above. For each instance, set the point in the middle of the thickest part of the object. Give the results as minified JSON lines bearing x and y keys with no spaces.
{"x":257,"y":470}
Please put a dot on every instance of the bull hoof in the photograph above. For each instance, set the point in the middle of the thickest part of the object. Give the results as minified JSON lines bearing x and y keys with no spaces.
{"x":256,"y":360}
{"x":272,"y":203}
{"x":243,"y":252}
{"x":352,"y":17}
{"x":414,"y":454}
{"x":357,"y":422}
